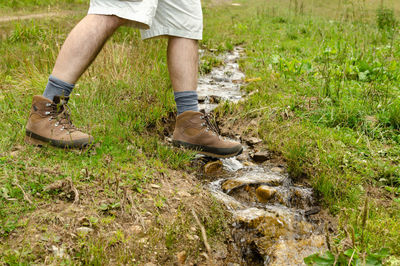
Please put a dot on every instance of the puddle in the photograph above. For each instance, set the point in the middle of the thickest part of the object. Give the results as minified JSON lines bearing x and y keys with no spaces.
{"x":271,"y":212}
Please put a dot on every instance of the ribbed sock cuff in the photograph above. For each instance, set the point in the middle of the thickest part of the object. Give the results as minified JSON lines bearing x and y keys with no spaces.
{"x":186,"y":101}
{"x":57,"y":87}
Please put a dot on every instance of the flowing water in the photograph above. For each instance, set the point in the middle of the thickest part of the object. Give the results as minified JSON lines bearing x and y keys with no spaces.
{"x":271,"y":212}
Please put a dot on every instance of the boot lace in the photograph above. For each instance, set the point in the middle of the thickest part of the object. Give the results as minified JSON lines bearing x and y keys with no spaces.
{"x":210,"y":125}
{"x":61,"y":113}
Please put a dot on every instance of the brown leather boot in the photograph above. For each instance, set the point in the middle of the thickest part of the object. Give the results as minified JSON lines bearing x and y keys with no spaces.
{"x":193,"y":130}
{"x":49,"y":122}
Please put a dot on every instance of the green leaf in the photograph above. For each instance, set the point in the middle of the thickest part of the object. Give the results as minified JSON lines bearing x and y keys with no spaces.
{"x":348,"y":252}
{"x":376,"y":258}
{"x":383,"y":253}
{"x":103,"y":207}
{"x":316,"y":259}
{"x":371,"y":261}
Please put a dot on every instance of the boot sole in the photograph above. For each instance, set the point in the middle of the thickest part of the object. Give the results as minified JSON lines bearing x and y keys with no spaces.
{"x":36,"y":140}
{"x":209,"y":151}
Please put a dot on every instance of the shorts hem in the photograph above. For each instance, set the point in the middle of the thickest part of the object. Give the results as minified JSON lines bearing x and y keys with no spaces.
{"x":151,"y":33}
{"x":137,"y":21}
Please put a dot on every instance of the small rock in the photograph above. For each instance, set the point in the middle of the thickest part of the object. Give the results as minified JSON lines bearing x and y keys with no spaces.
{"x":253,"y":141}
{"x":84,"y":230}
{"x":247,"y":163}
{"x":213,"y":168}
{"x":225,"y":131}
{"x":215,"y":99}
{"x":242,"y":157}
{"x":312,"y":211}
{"x":230,"y":184}
{"x":261,"y":156}
{"x":150,"y":264}
{"x":265,"y":193}
{"x":277,"y":169}
{"x":168,"y":139}
{"x":155,"y":186}
{"x":201,"y":98}
{"x":181,"y":256}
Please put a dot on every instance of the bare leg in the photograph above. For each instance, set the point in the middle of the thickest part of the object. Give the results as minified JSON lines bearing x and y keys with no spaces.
{"x":83,"y":44}
{"x":183,"y":60}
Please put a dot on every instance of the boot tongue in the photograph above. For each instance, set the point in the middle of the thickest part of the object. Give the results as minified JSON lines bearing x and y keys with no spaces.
{"x":60,"y":99}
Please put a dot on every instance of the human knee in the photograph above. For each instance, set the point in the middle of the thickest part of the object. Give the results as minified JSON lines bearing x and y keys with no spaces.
{"x":115,"y":21}
{"x":107,"y":22}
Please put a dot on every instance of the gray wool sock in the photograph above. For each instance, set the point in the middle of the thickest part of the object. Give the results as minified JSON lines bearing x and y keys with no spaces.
{"x":57,"y":87}
{"x":186,"y":101}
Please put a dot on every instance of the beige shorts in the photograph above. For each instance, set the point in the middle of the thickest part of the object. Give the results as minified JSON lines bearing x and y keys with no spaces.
{"x":181,"y":18}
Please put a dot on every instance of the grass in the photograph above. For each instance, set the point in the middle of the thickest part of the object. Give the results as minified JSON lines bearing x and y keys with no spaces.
{"x":327,"y":101}
{"x":324,"y":90}
{"x":130,"y":184}
{"x":16,"y":7}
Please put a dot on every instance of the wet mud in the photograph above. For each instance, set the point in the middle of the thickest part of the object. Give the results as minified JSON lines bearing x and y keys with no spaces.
{"x":273,"y":216}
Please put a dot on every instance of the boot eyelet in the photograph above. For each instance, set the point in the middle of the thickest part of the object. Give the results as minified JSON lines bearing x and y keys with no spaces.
{"x":47,"y":113}
{"x":48,"y":104}
{"x":56,"y":124}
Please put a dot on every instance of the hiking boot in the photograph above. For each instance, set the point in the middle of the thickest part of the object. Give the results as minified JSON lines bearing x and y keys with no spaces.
{"x":195,"y":131}
{"x":49,"y":122}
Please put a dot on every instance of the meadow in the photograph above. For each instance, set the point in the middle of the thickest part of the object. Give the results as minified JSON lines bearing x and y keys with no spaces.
{"x":323,"y":84}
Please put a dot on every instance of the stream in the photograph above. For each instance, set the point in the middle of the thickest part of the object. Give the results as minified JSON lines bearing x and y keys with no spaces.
{"x":272,"y":214}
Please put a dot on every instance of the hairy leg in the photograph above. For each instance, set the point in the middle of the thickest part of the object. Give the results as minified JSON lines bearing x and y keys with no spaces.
{"x":183,"y":60}
{"x":83,"y":44}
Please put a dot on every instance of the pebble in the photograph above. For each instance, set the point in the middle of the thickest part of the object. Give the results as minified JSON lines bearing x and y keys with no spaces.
{"x":247,"y":163}
{"x":181,"y":256}
{"x":261,"y":156}
{"x":213,"y":168}
{"x":201,"y":98}
{"x":231,"y":184}
{"x":242,"y":157}
{"x":265,"y":193}
{"x":253,"y":141}
{"x":277,"y":169}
